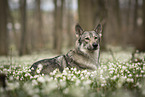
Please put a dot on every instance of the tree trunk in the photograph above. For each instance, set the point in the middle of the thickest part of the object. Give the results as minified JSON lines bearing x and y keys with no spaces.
{"x":135,"y":15}
{"x":69,"y":25}
{"x":58,"y":26}
{"x":138,"y":34}
{"x":3,"y":27}
{"x":23,"y":44}
{"x":54,"y":29}
{"x":113,"y":27}
{"x":86,"y":14}
{"x":15,"y":35}
{"x":128,"y":14}
{"x":143,"y":26}
{"x":39,"y":25}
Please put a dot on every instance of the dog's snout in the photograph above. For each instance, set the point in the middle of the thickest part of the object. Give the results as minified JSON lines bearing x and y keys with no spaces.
{"x":95,"y":45}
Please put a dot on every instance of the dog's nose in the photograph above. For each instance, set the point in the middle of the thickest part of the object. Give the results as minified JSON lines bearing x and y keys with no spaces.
{"x":95,"y":45}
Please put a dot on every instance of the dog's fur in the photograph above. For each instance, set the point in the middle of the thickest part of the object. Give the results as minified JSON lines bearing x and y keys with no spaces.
{"x":84,"y":56}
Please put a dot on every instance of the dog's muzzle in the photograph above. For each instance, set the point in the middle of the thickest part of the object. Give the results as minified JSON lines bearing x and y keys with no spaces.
{"x":95,"y":45}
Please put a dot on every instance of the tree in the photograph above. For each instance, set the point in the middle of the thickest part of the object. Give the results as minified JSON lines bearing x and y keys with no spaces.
{"x":113,"y":27}
{"x":58,"y":25}
{"x":4,"y":37}
{"x":91,"y":12}
{"x":143,"y":26}
{"x":40,"y":42}
{"x":86,"y":14}
{"x":69,"y":24}
{"x":24,"y":49}
{"x":135,"y":15}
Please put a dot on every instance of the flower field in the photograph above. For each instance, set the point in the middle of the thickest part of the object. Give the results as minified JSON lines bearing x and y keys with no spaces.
{"x":120,"y":75}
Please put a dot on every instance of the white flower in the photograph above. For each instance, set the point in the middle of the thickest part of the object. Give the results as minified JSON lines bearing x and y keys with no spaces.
{"x":123,"y":67}
{"x":140,"y":75}
{"x":35,"y":95}
{"x":77,"y":82}
{"x":119,"y":85}
{"x":130,"y":75}
{"x":78,"y":72}
{"x":65,"y":91}
{"x":17,"y":77}
{"x":87,"y":82}
{"x":75,"y":69}
{"x":11,"y":78}
{"x":84,"y":71}
{"x":66,"y":68}
{"x":30,"y":89}
{"x":114,"y":78}
{"x":101,"y":71}
{"x":54,"y":72}
{"x":12,"y":86}
{"x":62,"y":83}
{"x":38,"y":71}
{"x":130,"y":80}
{"x":64,"y":72}
{"x":137,"y":75}
{"x":123,"y":77}
{"x":111,"y":71}
{"x":13,"y":73}
{"x":58,"y":75}
{"x":72,"y":69}
{"x":74,"y":77}
{"x":102,"y":85}
{"x":2,"y":66}
{"x":88,"y":73}
{"x":26,"y":75}
{"x":41,"y":79}
{"x":47,"y":88}
{"x":142,"y":71}
{"x":40,"y":66}
{"x":29,"y":70}
{"x":138,"y":84}
{"x":128,"y":72}
{"x":82,"y":78}
{"x":32,"y":68}
{"x":31,"y":77}
{"x":34,"y":82}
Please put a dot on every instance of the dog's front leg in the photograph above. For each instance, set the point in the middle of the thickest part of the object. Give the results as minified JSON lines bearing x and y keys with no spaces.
{"x":98,"y":57}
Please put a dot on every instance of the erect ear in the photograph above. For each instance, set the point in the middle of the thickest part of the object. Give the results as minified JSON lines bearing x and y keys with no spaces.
{"x":98,"y":30}
{"x":79,"y":30}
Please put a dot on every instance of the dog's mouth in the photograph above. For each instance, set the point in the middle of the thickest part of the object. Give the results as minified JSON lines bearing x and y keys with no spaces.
{"x":92,"y":48}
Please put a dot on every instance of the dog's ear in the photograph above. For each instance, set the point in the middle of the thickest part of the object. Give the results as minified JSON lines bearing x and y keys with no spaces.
{"x":79,"y":30}
{"x":98,"y":30}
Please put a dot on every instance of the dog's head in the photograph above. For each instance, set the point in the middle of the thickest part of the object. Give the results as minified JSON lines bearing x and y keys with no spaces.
{"x":88,"y":40}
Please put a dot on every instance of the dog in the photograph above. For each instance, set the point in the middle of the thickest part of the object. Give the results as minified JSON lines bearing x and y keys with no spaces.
{"x":85,"y":55}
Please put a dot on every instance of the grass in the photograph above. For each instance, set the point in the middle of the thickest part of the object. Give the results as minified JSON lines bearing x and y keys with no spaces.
{"x":118,"y":76}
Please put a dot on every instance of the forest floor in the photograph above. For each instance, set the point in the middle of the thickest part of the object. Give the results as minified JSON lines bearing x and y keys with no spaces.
{"x":121,"y":74}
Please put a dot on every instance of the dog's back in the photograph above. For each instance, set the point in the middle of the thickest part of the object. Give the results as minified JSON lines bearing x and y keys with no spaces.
{"x":46,"y":66}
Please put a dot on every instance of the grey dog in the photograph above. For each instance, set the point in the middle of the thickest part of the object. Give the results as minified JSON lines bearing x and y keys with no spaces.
{"x":85,"y":55}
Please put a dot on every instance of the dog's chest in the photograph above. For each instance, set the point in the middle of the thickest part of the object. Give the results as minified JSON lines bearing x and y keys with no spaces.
{"x":86,"y":61}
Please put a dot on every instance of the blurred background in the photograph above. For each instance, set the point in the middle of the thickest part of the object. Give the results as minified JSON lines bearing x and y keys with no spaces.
{"x":28,"y":26}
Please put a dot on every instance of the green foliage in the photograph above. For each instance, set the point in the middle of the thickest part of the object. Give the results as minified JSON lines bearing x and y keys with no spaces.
{"x":121,"y":77}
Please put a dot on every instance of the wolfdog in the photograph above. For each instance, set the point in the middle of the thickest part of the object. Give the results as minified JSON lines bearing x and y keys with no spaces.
{"x":85,"y":55}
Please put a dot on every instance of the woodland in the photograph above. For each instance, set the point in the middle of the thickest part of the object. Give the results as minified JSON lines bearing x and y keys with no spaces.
{"x":49,"y":25}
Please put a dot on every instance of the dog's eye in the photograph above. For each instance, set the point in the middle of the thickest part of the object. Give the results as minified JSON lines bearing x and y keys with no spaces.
{"x":95,"y":37}
{"x":87,"y":38}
